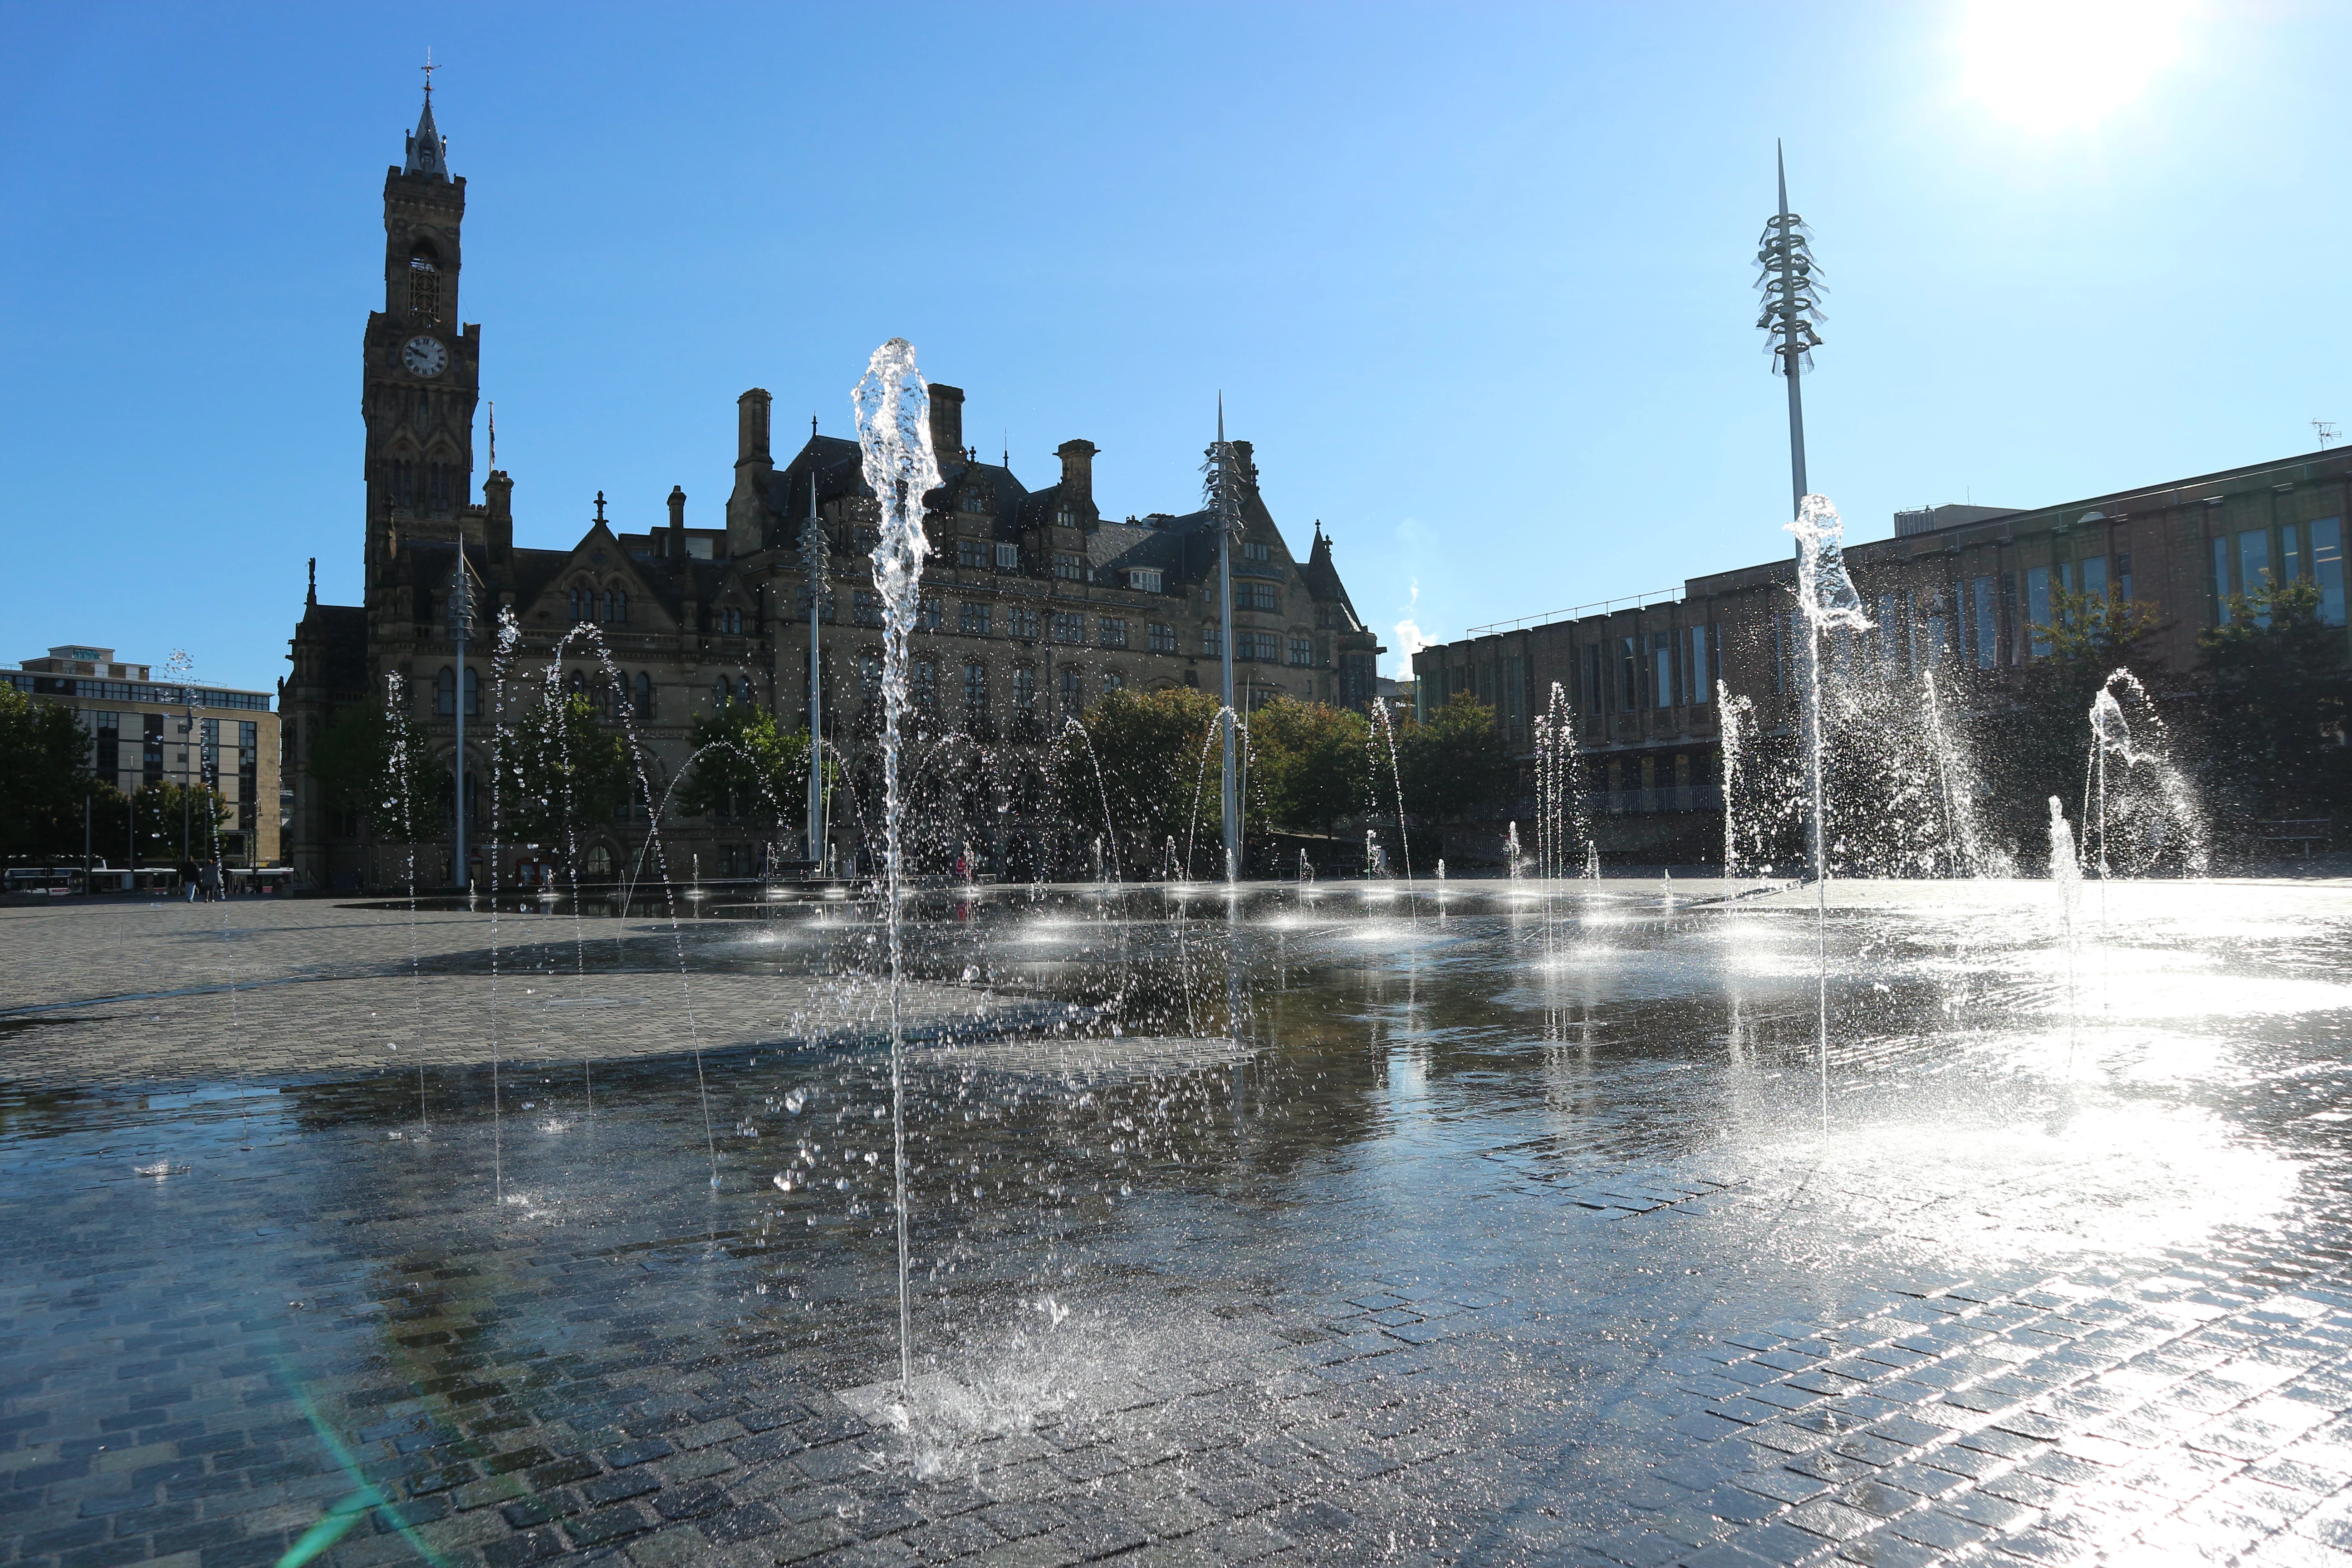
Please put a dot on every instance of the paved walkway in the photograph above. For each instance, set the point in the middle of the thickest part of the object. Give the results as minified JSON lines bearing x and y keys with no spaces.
{"x":1486,"y":1246}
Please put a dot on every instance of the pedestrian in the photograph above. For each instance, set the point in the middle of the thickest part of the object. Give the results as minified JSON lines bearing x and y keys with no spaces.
{"x":188,"y":879}
{"x":210,"y":877}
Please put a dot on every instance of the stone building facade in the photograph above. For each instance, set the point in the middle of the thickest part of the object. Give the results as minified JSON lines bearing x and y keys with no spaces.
{"x":1955,"y":586}
{"x":1034,"y":603}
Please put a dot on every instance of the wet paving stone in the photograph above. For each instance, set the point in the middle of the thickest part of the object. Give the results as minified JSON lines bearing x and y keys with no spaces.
{"x":1566,"y":1176}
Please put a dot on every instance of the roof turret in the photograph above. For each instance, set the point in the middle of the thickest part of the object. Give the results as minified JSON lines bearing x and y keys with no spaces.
{"x":429,"y":150}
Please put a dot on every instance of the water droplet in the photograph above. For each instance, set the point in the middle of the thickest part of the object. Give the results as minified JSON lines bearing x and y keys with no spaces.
{"x":794,"y":1101}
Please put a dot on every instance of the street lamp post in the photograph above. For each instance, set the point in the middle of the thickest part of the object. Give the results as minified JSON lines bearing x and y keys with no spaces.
{"x":815,"y":589}
{"x":1225,"y":504}
{"x":461,"y":625}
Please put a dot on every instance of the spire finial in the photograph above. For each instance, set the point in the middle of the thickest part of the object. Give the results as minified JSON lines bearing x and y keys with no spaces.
{"x":313,"y":599}
{"x":429,"y":150}
{"x":494,"y":435}
{"x":600,"y":506}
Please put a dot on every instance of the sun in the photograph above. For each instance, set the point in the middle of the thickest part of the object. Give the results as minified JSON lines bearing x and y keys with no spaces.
{"x":2048,"y":65}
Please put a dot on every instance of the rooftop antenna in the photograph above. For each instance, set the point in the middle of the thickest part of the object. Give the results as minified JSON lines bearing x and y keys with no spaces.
{"x":2327,"y":432}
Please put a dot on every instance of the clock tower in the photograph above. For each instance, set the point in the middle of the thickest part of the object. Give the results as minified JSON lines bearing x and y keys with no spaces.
{"x":422,"y":373}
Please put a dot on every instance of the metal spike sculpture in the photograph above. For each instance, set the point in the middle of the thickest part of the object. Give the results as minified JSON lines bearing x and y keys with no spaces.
{"x":1792,"y":286}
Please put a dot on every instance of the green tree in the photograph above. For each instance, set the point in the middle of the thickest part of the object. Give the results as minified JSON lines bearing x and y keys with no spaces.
{"x":43,"y":773}
{"x":176,"y":819}
{"x":561,"y":773}
{"x":1455,"y":764}
{"x":1148,"y":745}
{"x":378,"y":762}
{"x":1313,"y":764}
{"x":745,"y":764}
{"x":2276,"y":729}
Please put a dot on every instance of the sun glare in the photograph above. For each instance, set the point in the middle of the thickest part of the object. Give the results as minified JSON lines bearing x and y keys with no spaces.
{"x":2050,"y":64}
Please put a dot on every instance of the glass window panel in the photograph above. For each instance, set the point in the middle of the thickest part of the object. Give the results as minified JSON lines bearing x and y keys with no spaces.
{"x":1988,"y":641}
{"x":1662,"y":662}
{"x":2253,"y":559}
{"x":2094,"y":573}
{"x":2037,"y":606}
{"x":2290,"y":553}
{"x":2327,"y":567}
{"x":2221,"y":580}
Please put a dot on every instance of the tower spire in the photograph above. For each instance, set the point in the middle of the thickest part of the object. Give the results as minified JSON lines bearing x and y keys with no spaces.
{"x":429,"y":150}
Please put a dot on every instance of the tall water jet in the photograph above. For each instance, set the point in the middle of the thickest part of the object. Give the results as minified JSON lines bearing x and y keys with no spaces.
{"x":1827,"y":599}
{"x":894,"y":437}
{"x":1963,"y":842}
{"x":2066,"y":872}
{"x":1739,"y":717}
{"x":1560,"y":823}
{"x":1381,"y":726}
{"x":2150,"y":793}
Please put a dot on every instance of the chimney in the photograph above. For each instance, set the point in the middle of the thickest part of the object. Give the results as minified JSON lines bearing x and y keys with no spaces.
{"x":498,"y":498}
{"x":1077,"y":474}
{"x":752,"y":427}
{"x":747,"y":505}
{"x":676,"y":549}
{"x":946,"y":423}
{"x":1245,"y":461}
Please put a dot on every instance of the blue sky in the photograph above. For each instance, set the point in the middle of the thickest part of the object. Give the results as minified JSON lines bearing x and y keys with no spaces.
{"x":1476,"y":280}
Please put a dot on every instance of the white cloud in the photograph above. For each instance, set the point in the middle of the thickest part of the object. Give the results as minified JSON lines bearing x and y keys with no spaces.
{"x":1409,"y":638}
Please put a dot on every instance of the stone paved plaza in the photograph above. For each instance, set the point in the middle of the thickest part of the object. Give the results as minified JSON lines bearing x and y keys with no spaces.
{"x":1508,"y":1229}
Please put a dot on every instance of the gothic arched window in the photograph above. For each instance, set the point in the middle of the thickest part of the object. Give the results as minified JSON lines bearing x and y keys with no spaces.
{"x":445,"y":692}
{"x":616,"y":606}
{"x":644,"y":695}
{"x":722,"y":691}
{"x":425,"y":282}
{"x":473,"y":693}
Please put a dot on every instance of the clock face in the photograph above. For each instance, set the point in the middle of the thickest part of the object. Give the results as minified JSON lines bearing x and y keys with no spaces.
{"x":424,"y":356}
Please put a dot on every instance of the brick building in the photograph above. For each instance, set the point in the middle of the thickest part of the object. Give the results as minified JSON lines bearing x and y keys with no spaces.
{"x":1961,"y":585}
{"x":1035,"y":605}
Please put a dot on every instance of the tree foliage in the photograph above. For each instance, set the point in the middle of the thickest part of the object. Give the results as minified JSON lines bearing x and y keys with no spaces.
{"x":1313,"y":764}
{"x":1454,"y":762}
{"x":561,"y":774}
{"x":2275,"y":735}
{"x":1148,"y":745}
{"x":43,"y":773}
{"x":377,"y":761}
{"x":745,"y":764}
